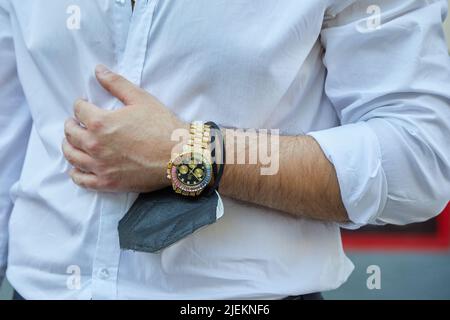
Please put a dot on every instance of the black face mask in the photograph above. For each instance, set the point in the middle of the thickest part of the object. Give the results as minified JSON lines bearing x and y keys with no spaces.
{"x":158,"y":219}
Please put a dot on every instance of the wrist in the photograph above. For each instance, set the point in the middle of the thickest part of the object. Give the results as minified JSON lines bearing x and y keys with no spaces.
{"x":167,"y":148}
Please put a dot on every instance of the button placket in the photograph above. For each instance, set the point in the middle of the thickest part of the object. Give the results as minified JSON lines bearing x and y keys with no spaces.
{"x":131,"y":61}
{"x":121,"y":16}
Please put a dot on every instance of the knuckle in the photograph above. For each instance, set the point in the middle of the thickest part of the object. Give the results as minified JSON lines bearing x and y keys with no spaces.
{"x":113,"y":77}
{"x":93,"y":146}
{"x":93,"y":185}
{"x":77,"y":106}
{"x":109,"y":183}
{"x":75,"y":179}
{"x":108,"y":179}
{"x":97,"y":123}
{"x":102,"y":169}
{"x":97,"y":169}
{"x":67,"y":126}
{"x":64,"y":146}
{"x":68,"y":155}
{"x":83,"y":183}
{"x":69,"y":158}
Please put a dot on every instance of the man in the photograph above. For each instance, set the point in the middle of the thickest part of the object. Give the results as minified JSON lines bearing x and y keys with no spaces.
{"x":359,"y":90}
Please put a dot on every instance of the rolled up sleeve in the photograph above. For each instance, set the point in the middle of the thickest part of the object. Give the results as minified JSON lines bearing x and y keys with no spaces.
{"x":15,"y":123}
{"x":390,"y":85}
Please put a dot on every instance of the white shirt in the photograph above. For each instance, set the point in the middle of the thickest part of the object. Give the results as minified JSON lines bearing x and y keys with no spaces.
{"x":375,"y":97}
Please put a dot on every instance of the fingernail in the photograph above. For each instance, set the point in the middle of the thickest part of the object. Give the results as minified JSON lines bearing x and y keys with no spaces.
{"x":101,"y":69}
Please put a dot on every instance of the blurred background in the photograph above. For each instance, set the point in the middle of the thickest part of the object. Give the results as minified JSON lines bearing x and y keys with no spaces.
{"x":413,"y":261}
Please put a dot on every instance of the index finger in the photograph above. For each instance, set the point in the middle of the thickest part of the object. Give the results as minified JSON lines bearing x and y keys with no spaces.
{"x":87,"y":113}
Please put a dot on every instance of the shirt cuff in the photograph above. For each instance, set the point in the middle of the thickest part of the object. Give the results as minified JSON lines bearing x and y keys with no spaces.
{"x":355,"y":152}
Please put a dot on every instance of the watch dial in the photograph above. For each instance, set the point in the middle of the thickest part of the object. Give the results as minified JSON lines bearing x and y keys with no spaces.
{"x":191,"y":172}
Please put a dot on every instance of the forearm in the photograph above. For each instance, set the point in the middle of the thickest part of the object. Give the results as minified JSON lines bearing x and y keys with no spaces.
{"x":305,"y":184}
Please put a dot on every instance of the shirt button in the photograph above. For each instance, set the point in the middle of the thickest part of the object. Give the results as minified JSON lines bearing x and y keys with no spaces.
{"x":103,"y":274}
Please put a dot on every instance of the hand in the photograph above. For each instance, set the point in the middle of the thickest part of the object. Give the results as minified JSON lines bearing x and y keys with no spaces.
{"x":122,"y":150}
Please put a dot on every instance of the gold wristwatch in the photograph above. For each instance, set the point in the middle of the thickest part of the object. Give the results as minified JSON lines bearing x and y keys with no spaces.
{"x":191,"y":170}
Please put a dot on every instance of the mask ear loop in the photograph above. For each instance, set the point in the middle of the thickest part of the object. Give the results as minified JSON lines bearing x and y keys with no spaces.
{"x":217,"y":169}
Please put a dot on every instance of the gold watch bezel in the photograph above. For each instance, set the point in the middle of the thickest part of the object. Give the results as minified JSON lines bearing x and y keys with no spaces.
{"x":197,"y":148}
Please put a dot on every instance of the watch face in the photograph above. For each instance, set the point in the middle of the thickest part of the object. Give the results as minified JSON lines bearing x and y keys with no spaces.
{"x":191,"y":172}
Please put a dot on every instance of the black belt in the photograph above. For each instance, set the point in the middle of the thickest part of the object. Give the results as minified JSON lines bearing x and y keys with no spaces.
{"x":311,"y":296}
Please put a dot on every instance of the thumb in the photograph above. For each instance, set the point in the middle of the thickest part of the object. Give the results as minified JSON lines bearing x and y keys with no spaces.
{"x":118,"y":86}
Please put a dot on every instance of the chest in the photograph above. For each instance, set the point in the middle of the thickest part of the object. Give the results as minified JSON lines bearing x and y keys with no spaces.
{"x":239,"y":29}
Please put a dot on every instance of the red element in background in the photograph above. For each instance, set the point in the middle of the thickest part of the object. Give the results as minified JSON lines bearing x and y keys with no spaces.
{"x":388,"y":241}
